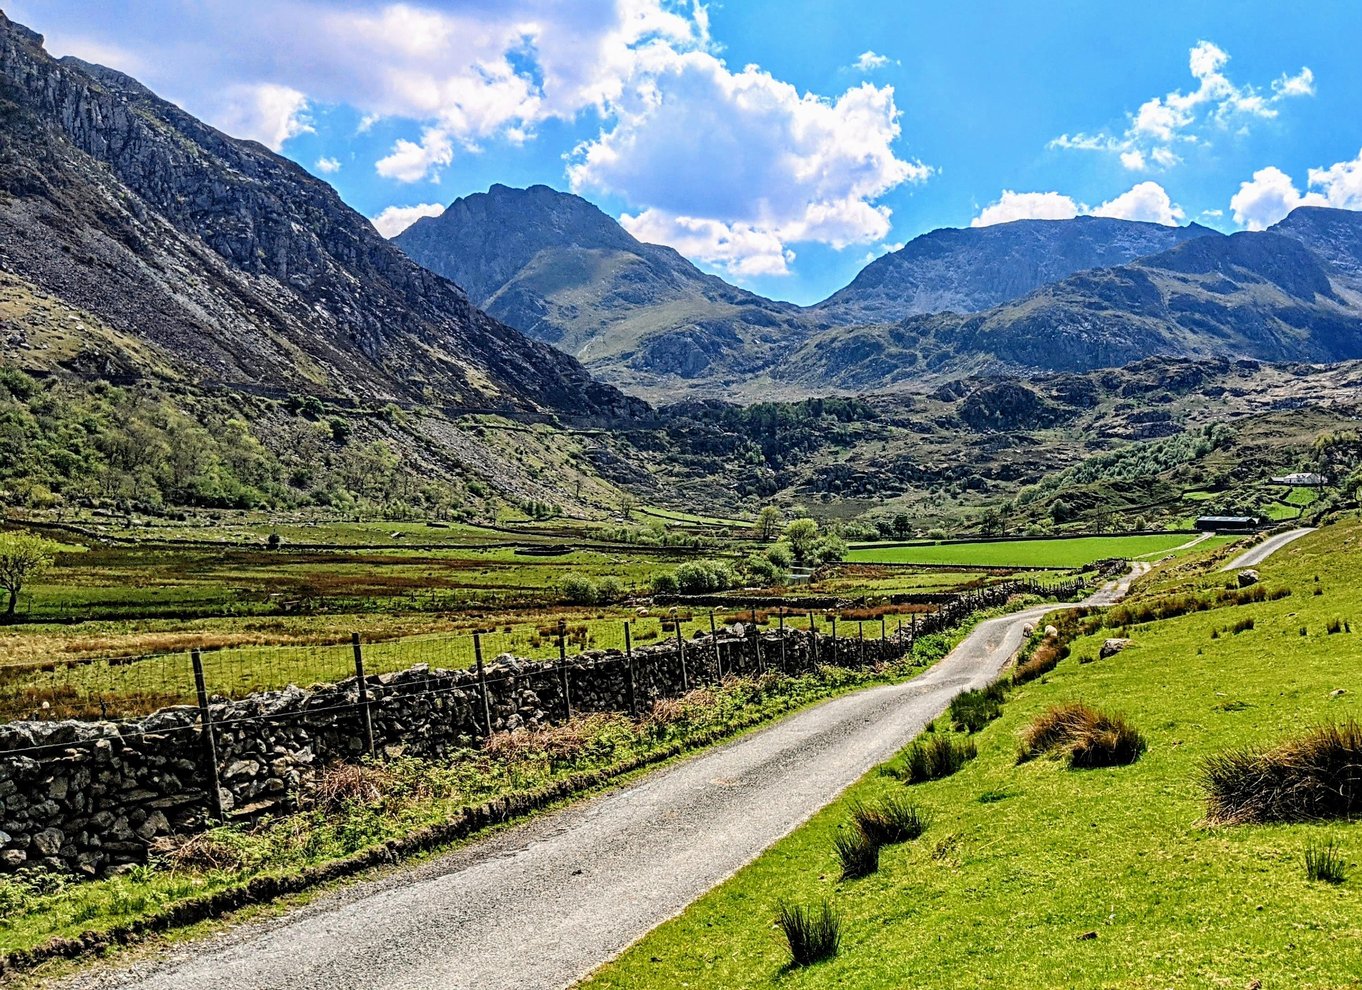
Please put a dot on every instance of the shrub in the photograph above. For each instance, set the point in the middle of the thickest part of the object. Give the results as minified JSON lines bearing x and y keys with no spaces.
{"x":972,"y":710}
{"x":664,"y":584}
{"x":1323,"y":861}
{"x":858,"y":853}
{"x":1043,"y":659}
{"x":937,"y":757}
{"x":1317,"y":775}
{"x":891,"y":821}
{"x":698,"y":577}
{"x":580,"y":590}
{"x":1083,"y":736}
{"x":813,"y":934}
{"x":609,"y":589}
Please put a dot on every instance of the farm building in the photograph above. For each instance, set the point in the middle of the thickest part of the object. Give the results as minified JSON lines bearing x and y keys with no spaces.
{"x":1223,"y":524}
{"x":1303,"y":479}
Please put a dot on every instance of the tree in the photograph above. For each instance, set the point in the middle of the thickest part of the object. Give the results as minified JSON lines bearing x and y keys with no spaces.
{"x":768,"y":523}
{"x":801,"y":534}
{"x":23,"y":557}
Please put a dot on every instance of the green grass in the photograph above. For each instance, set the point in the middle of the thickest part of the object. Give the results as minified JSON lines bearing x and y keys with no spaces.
{"x":1034,"y":875}
{"x":1022,"y":553}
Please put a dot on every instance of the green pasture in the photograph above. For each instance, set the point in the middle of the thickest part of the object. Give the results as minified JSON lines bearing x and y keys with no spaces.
{"x":1077,"y":552}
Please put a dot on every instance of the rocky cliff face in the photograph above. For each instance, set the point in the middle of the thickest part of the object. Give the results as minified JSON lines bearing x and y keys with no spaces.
{"x":233,"y":263}
{"x":977,"y":268}
{"x":640,"y":315}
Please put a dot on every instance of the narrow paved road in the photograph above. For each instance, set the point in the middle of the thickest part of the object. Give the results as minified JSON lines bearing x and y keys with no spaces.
{"x":1264,"y":550}
{"x":543,"y":904}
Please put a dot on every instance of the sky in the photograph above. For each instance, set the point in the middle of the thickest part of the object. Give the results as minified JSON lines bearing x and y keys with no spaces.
{"x":782,"y":145}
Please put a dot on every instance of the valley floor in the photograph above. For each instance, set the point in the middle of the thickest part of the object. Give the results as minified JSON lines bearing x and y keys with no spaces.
{"x":1038,"y":876}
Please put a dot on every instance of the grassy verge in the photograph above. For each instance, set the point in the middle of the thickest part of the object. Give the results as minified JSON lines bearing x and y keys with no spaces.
{"x":1034,"y":874}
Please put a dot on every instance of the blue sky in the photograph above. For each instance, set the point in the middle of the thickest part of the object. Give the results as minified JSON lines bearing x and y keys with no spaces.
{"x":779,"y":144}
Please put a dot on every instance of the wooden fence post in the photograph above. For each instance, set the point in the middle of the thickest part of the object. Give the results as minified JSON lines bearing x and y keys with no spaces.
{"x":883,"y":636}
{"x":629,"y":664}
{"x":756,"y":644}
{"x":563,"y":670}
{"x":860,"y":634}
{"x":210,"y":746}
{"x":482,"y":684}
{"x":813,"y":639}
{"x":833,"y":617}
{"x":366,"y":716}
{"x":784,"y":667}
{"x":681,"y":654}
{"x":714,"y":638}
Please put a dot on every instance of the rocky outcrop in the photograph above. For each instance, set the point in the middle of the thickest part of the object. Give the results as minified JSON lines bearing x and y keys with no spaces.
{"x":232,"y":263}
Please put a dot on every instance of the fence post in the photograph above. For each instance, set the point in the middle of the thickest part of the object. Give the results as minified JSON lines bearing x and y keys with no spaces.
{"x":563,"y":669}
{"x":681,"y":652}
{"x":629,"y":664}
{"x":860,"y":634}
{"x":714,"y":638}
{"x":784,"y":667}
{"x":756,"y":645}
{"x":366,"y":716}
{"x":833,"y":617}
{"x":210,"y":746}
{"x":482,"y":684}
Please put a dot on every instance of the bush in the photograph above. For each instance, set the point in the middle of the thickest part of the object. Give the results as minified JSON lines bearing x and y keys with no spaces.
{"x":891,"y":821}
{"x":1323,"y":861}
{"x":813,"y":934}
{"x":1043,"y":659}
{"x":1317,"y":775}
{"x":937,"y":757}
{"x":858,"y":853}
{"x":664,"y":584}
{"x":580,"y":590}
{"x":1083,"y":736}
{"x":610,"y":589}
{"x":972,"y":710}
{"x":701,"y":577}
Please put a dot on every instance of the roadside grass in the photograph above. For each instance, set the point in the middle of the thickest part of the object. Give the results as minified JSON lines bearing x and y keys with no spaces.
{"x":1077,"y":552}
{"x":1032,"y":875}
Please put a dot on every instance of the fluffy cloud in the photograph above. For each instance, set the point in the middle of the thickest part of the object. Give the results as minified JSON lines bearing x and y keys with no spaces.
{"x":1163,"y":122}
{"x":396,"y":219}
{"x":328,"y":166}
{"x":1146,"y":201}
{"x":1026,"y":206}
{"x":1271,"y":194}
{"x":870,"y":61}
{"x":264,"y":112}
{"x":738,"y":165}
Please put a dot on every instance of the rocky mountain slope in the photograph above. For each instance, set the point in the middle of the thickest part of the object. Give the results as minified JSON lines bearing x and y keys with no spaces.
{"x":210,"y":259}
{"x":559,"y":269}
{"x":976,"y":268}
{"x":1288,"y":294}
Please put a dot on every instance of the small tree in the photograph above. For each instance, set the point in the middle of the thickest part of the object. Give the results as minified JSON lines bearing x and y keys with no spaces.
{"x":23,"y":558}
{"x":768,"y":523}
{"x":801,"y":534}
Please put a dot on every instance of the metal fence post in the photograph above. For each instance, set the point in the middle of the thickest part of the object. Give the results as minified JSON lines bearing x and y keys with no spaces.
{"x":482,"y":684}
{"x":714,"y":638}
{"x":563,"y":670}
{"x":366,"y":716}
{"x":210,"y":746}
{"x":681,"y":652}
{"x":629,"y":664}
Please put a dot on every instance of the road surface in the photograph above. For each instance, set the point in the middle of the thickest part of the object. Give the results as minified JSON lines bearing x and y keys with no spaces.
{"x":543,"y":904}
{"x":1256,"y":555}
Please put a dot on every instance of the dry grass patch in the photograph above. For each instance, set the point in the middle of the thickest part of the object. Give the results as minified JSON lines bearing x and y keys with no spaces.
{"x":1314,"y":776}
{"x":1082,"y":736}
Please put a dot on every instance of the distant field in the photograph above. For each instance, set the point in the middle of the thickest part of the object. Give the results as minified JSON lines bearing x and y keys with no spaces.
{"x":1024,"y":553}
{"x":671,"y":515}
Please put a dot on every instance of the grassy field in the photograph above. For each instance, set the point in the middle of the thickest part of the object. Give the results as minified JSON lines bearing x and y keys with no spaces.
{"x":1077,"y":552}
{"x":1036,"y":875}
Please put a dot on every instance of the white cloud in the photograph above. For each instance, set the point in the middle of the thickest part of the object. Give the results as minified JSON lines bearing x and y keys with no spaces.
{"x":328,"y":166}
{"x":1012,"y":206}
{"x":1163,"y":122}
{"x":96,"y":51}
{"x":738,"y":165}
{"x":1147,"y":201}
{"x":264,"y":112}
{"x":870,"y":61}
{"x":411,"y":162}
{"x":1271,"y":194}
{"x":395,"y":219}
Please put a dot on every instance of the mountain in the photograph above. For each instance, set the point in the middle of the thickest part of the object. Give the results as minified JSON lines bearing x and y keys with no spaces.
{"x":976,"y":268}
{"x":171,"y":249}
{"x":559,"y":269}
{"x":1264,"y":296}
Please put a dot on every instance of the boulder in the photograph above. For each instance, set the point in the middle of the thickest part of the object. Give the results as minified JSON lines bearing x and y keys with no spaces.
{"x":1248,"y":578}
{"x":1112,"y":647}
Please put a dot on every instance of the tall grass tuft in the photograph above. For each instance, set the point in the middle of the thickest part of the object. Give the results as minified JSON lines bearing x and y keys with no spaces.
{"x":891,"y":821}
{"x":970,"y":711}
{"x":1082,"y":736}
{"x":936,"y":757}
{"x":1314,"y":776}
{"x":813,"y":933}
{"x":858,"y":853}
{"x":1043,"y":659}
{"x":1324,"y":862}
